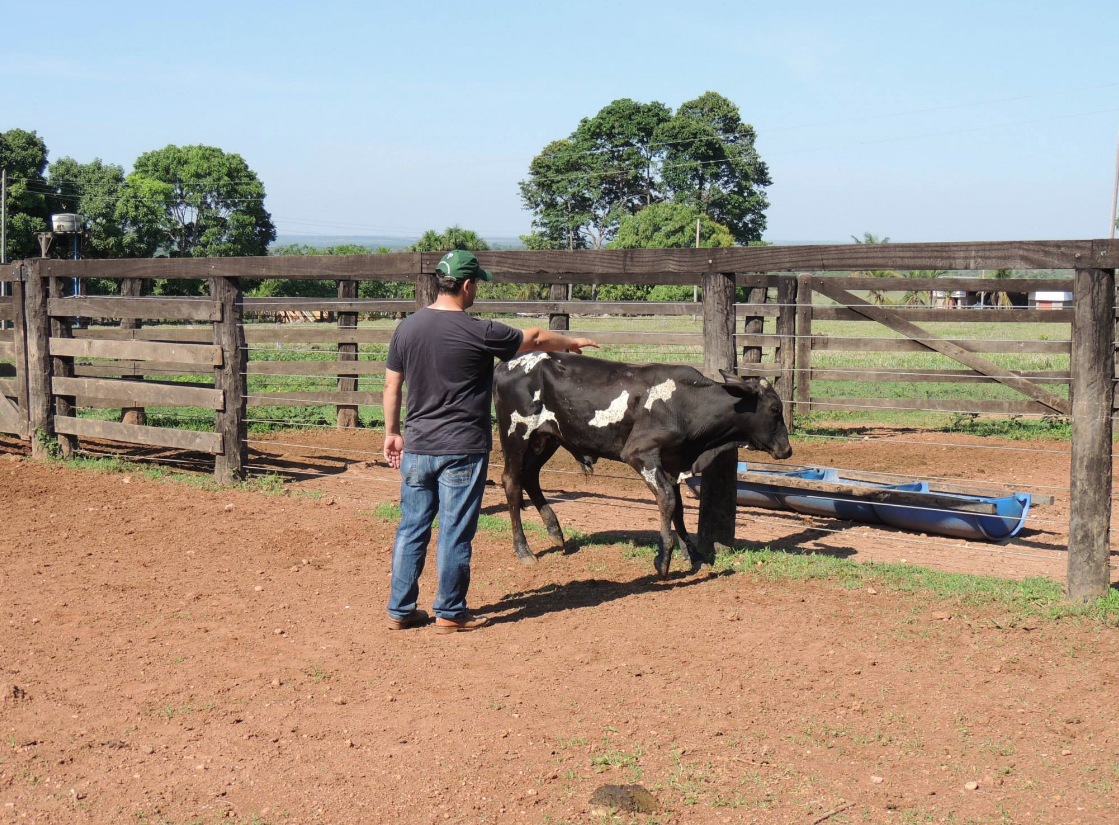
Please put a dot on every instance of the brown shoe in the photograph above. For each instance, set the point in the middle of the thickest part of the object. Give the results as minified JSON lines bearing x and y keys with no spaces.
{"x":467,"y":622}
{"x":413,"y":619}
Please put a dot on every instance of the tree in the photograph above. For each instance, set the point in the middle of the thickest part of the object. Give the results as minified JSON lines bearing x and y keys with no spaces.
{"x":877,"y":296}
{"x":453,"y":237}
{"x":710,"y":162}
{"x":195,"y":201}
{"x":630,"y":156}
{"x":669,"y":225}
{"x":556,"y":192}
{"x":92,"y":190}
{"x":24,"y":155}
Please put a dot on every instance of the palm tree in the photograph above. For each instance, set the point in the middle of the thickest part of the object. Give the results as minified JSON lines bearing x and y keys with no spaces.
{"x":919,"y":297}
{"x":876,"y":296}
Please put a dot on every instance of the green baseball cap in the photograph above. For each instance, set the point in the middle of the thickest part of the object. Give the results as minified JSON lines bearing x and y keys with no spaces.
{"x":461,"y":265}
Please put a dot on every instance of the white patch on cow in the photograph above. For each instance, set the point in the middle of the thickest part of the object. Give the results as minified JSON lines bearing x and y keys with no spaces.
{"x":531,"y":422}
{"x":661,"y":392}
{"x":612,"y":414}
{"x":536,"y":396}
{"x":649,"y":474}
{"x":527,"y":361}
{"x":683,"y":477}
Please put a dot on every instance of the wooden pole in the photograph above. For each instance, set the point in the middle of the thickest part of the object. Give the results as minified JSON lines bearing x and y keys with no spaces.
{"x":1093,"y":366}
{"x":347,"y":415}
{"x":427,"y":290}
{"x":803,"y":359}
{"x":717,"y":491}
{"x":38,"y":361}
{"x":230,"y":378}
{"x":63,"y":367}
{"x":786,"y":343}
{"x":754,"y":325}
{"x":19,"y":341}
{"x":558,"y":320}
{"x":132,"y":288}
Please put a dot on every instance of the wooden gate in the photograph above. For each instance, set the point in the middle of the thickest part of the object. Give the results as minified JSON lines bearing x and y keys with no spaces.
{"x":13,"y":358}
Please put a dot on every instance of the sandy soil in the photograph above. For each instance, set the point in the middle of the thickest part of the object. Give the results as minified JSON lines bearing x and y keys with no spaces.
{"x":177,"y":655}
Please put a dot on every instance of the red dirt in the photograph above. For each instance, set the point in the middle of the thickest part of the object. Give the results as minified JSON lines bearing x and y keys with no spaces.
{"x":180,"y":653}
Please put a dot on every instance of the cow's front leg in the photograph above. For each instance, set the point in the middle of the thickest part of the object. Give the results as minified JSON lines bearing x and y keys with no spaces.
{"x":696,"y":558}
{"x":654,"y":475}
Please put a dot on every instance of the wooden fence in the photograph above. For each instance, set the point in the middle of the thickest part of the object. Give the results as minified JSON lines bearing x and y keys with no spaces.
{"x":54,"y":368}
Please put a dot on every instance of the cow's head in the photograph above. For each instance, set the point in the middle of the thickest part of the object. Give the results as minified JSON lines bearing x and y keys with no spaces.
{"x":758,"y":414}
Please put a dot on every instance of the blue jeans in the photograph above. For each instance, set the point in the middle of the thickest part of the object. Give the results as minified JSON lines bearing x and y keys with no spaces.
{"x":449,"y":486}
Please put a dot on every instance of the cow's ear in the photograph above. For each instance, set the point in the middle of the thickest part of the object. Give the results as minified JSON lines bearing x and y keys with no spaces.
{"x":738,"y":385}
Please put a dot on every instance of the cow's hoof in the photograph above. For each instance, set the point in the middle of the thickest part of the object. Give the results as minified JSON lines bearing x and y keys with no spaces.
{"x":661,"y":565}
{"x":529,"y":560}
{"x":700,"y":567}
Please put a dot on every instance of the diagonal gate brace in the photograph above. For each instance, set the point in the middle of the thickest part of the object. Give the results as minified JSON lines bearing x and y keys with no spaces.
{"x":948,"y":348}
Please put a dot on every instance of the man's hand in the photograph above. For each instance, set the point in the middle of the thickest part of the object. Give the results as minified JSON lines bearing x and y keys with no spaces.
{"x":579,"y":343}
{"x":394,"y":449}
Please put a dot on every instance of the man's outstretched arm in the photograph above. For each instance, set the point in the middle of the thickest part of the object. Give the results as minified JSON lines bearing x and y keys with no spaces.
{"x":548,"y":340}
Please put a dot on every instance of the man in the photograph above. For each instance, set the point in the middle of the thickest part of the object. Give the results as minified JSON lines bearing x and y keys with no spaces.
{"x":446,"y":358}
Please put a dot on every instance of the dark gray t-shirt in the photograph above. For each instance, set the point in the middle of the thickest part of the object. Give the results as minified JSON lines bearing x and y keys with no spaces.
{"x":447,"y":361}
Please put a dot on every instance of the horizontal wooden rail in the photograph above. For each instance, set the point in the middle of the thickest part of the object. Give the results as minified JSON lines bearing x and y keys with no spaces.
{"x":623,"y":265}
{"x":871,"y":494}
{"x":9,"y":388}
{"x":313,"y":334}
{"x":840,"y":344}
{"x":7,"y":349}
{"x":170,"y":309}
{"x":946,"y":405}
{"x":316,"y":368}
{"x":283,"y":304}
{"x":155,"y":333}
{"x":139,"y":393}
{"x":6,"y":311}
{"x":955,"y":316}
{"x":140,"y":369}
{"x":139,"y":434}
{"x":285,"y":398}
{"x":905,"y":375}
{"x":201,"y":354}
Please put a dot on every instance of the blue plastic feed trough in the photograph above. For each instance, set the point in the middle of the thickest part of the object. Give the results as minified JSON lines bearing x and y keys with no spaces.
{"x":1010,"y":510}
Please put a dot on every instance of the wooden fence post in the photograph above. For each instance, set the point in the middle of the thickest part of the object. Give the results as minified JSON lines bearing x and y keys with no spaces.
{"x":132,"y":288}
{"x":754,"y":325}
{"x":230,"y":378}
{"x":63,"y":367}
{"x":19,"y":341}
{"x":347,"y":291}
{"x":1092,"y":370}
{"x":37,"y":329}
{"x":427,"y":290}
{"x":786,"y":345}
{"x":717,"y":505}
{"x":559,"y":320}
{"x":803,"y":348}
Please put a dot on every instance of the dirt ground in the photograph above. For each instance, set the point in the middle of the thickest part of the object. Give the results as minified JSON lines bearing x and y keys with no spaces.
{"x":175,"y":655}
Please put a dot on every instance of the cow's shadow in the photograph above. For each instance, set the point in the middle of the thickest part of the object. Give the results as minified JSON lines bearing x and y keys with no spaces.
{"x":554,"y":598}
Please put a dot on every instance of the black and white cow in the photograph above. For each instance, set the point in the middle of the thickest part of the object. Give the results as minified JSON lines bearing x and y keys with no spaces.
{"x":657,"y":418}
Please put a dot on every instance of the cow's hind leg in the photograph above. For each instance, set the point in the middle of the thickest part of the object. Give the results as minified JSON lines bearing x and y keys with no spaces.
{"x":696,"y":558}
{"x":534,"y":461}
{"x":511,"y":479}
{"x":654,"y":475}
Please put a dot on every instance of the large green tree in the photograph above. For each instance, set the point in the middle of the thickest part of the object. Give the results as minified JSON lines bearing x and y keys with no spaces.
{"x":632,"y":155}
{"x":710,"y":162}
{"x":195,"y":201}
{"x":24,"y":155}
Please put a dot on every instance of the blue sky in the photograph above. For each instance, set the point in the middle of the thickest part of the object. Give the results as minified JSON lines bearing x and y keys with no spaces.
{"x":389,"y":119}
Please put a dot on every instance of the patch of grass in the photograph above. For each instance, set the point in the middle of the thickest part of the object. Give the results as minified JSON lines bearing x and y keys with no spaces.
{"x":626,"y":760}
{"x":269,"y":484}
{"x":386,"y":511}
{"x":316,"y":673}
{"x":1031,"y":597}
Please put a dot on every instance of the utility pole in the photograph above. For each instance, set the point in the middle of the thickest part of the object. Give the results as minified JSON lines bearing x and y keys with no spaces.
{"x":1114,"y":193}
{"x":3,"y":231}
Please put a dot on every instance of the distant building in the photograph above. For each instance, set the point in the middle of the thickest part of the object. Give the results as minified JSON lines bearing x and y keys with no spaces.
{"x":1051,"y":300}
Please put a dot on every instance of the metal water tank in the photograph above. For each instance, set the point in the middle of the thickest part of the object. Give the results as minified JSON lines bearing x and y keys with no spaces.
{"x":66,"y":223}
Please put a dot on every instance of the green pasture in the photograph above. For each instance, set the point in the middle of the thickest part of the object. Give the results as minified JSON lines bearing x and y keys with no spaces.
{"x":876,"y":412}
